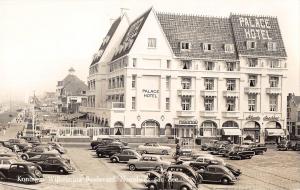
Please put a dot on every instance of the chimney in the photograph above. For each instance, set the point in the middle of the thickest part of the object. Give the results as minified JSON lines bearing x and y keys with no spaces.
{"x":71,"y":71}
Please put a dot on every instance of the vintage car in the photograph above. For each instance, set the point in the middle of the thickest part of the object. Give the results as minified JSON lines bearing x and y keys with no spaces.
{"x":58,"y":165}
{"x":296,"y":146}
{"x":21,"y":143}
{"x":241,"y":152}
{"x":217,"y":173}
{"x":23,"y":172}
{"x":57,"y":146}
{"x":148,"y":162}
{"x":219,"y":149}
{"x":125,"y":156}
{"x":36,"y":151}
{"x":173,"y":180}
{"x":44,"y":156}
{"x":208,"y":146}
{"x":285,"y":145}
{"x":194,"y":157}
{"x":106,"y":141}
{"x":110,"y":150}
{"x":5,"y":162}
{"x":228,"y":148}
{"x":257,"y":148}
{"x":154,"y":148}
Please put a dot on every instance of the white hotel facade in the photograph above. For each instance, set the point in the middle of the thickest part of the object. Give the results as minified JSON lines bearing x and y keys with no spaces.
{"x":172,"y":75}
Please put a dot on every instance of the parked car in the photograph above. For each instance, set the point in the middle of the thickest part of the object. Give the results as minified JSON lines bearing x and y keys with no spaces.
{"x":285,"y":145}
{"x":110,"y":150}
{"x":57,"y":146}
{"x":257,"y":148}
{"x":209,"y":145}
{"x":241,"y":152}
{"x":106,"y":141}
{"x":9,"y":154}
{"x":194,"y":157}
{"x":125,"y":156}
{"x":217,"y":173}
{"x":148,"y":162}
{"x":22,"y":172}
{"x":219,"y":149}
{"x":36,"y":151}
{"x":203,"y":162}
{"x":44,"y":156}
{"x":154,"y":147}
{"x":5,"y":162}
{"x":296,"y":147}
{"x":176,"y":180}
{"x":21,"y":143}
{"x":55,"y":164}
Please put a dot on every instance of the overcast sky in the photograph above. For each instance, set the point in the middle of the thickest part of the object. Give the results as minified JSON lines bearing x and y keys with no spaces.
{"x":41,"y":40}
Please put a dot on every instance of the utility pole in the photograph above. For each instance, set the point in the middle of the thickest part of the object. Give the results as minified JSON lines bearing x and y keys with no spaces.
{"x":33,"y":114}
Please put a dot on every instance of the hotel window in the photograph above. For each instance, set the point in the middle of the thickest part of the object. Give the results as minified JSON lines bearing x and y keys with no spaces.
{"x":113,"y":83}
{"x":168,"y":64}
{"x":231,"y":66}
{"x":229,"y":48}
{"x":274,"y":81}
{"x":209,"y":84}
{"x":274,"y":63}
{"x":207,"y":46}
{"x":134,"y":62}
{"x":209,"y":65}
{"x":133,"y":81}
{"x":133,"y":106}
{"x":298,"y":116}
{"x":186,"y":83}
{"x":151,"y":42}
{"x":186,"y":102}
{"x":168,"y":79}
{"x":209,"y":103}
{"x":230,"y":104}
{"x":117,"y":81}
{"x":186,"y":64}
{"x":121,"y":97}
{"x":167,"y":103}
{"x":298,"y":129}
{"x":273,"y":102}
{"x":272,"y":46}
{"x":252,"y":80}
{"x":251,"y":45}
{"x":231,"y":85}
{"x":252,"y":62}
{"x":252,"y":102}
{"x":185,"y":45}
{"x":122,"y":81}
{"x":208,"y":129}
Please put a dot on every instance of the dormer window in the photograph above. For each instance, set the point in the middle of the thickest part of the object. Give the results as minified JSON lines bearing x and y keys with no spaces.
{"x":185,"y":45}
{"x":272,"y":46}
{"x":251,"y":44}
{"x":229,"y":48}
{"x":207,"y":46}
{"x":151,"y":42}
{"x":252,"y":62}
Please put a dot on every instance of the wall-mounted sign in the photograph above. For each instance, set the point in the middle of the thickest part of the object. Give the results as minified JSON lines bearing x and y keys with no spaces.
{"x":253,"y":118}
{"x":150,"y":93}
{"x":187,"y":122}
{"x":255,"y":28}
{"x":271,"y":118}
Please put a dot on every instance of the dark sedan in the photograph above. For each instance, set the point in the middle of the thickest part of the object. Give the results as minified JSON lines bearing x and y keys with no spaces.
{"x":57,"y":165}
{"x":217,"y":173}
{"x":125,"y":156}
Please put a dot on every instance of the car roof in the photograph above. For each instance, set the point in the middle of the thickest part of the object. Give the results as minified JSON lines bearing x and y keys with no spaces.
{"x":151,"y":155}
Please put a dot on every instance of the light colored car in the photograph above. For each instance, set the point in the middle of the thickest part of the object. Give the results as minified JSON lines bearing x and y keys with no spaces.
{"x":154,"y":148}
{"x":5,"y":162}
{"x":148,"y":162}
{"x":195,"y":156}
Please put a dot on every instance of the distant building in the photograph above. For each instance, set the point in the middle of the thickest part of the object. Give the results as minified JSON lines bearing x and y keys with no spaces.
{"x":70,"y":93}
{"x":175,"y":75}
{"x":293,"y":116}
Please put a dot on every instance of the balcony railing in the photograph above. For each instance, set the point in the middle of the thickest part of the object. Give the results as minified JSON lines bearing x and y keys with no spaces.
{"x":208,"y":114}
{"x":186,"y":92}
{"x":117,"y":105}
{"x":186,"y":113}
{"x":228,"y":93}
{"x":231,"y":114}
{"x":208,"y":93}
{"x":273,"y":90}
{"x":252,"y":90}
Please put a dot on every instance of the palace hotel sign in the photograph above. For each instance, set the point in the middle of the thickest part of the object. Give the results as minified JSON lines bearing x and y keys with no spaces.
{"x":255,"y":28}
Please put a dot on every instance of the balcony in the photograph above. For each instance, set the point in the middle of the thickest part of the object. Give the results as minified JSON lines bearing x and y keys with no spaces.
{"x":252,"y":90}
{"x":273,"y":90}
{"x":186,"y":113}
{"x":231,"y":114}
{"x":186,"y":92}
{"x":85,"y":109}
{"x":208,"y":114}
{"x":117,"y":105}
{"x":208,"y":93}
{"x":228,"y":93}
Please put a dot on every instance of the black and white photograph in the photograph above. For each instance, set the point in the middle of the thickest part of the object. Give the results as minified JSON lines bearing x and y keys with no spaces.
{"x":149,"y":95}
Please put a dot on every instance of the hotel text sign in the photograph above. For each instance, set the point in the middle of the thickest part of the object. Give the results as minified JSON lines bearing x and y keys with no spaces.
{"x":150,"y":93}
{"x":256,"y":28}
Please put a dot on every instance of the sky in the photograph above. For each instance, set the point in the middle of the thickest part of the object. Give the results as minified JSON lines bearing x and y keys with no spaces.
{"x":41,"y":39}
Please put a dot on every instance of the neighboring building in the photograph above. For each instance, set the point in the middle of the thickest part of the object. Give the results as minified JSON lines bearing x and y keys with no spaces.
{"x":71,"y":93}
{"x":293,"y":116}
{"x":189,"y":76}
{"x":48,"y":101}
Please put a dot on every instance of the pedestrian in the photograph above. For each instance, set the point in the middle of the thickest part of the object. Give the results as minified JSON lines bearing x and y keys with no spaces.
{"x":4,"y":131}
{"x":177,"y":149}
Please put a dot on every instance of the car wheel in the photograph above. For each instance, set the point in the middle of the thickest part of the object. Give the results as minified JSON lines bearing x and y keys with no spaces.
{"x":144,"y":152}
{"x":225,"y":181}
{"x":24,"y":157}
{"x":132,"y":167}
{"x":164,"y":152}
{"x":152,"y":187}
{"x":38,"y":173}
{"x":114,"y":160}
{"x":184,"y":188}
{"x":99,"y":155}
{"x":61,"y":171}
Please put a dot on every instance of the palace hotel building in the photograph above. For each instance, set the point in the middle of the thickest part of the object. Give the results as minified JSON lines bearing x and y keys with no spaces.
{"x":176,"y":75}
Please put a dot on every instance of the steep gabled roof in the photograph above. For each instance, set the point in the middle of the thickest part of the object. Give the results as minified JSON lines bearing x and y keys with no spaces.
{"x":197,"y":30}
{"x":73,"y":86}
{"x":131,"y":35}
{"x":106,"y":40}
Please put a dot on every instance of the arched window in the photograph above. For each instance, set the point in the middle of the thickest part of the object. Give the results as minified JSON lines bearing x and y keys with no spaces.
{"x":208,"y":129}
{"x":230,"y":124}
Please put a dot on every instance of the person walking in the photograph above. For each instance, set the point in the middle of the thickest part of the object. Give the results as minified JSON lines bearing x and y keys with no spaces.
{"x":4,"y":131}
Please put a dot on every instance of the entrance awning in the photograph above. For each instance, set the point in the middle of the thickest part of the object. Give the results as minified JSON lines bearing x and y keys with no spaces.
{"x":275,"y":132}
{"x":232,"y":132}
